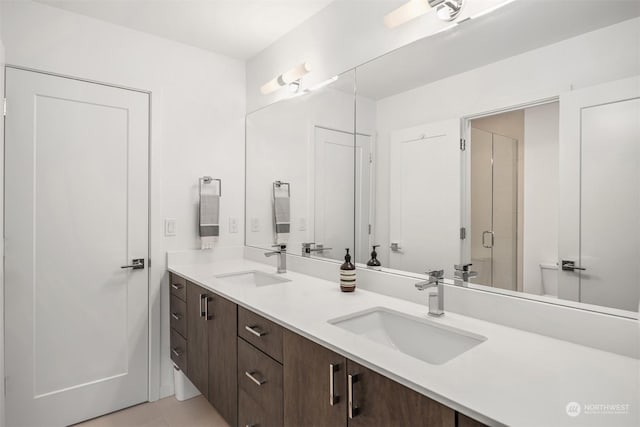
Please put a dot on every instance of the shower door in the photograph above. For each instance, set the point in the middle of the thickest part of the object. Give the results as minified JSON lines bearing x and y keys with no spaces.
{"x":494,"y":208}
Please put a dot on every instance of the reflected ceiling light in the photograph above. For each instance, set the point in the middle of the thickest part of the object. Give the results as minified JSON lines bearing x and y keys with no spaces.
{"x":290,"y":76}
{"x":446,"y":10}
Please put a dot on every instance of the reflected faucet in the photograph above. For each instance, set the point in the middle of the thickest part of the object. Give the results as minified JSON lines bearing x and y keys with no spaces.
{"x":463,"y":274}
{"x":282,"y":257}
{"x":436,"y":300}
{"x":307,"y":248}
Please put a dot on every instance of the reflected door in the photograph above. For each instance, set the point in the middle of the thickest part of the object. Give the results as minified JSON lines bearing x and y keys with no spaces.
{"x":341,"y":213}
{"x":494,"y":204}
{"x":76,"y":182}
{"x":425,"y":198}
{"x":601,"y":220}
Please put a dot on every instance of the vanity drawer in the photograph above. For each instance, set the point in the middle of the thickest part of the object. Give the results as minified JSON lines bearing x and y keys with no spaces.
{"x":262,"y":333}
{"x":260,"y":377}
{"x":178,"y":286}
{"x":252,"y":414}
{"x":178,"y":315}
{"x":179,"y":350}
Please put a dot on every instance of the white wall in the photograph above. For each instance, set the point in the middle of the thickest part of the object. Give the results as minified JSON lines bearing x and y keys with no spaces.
{"x":2,"y":58}
{"x":197,"y":123}
{"x":541,"y":183}
{"x":592,"y":58}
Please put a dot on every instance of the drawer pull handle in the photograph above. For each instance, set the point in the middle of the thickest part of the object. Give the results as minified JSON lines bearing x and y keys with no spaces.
{"x":176,"y":286}
{"x":353,"y":409}
{"x":258,"y":382}
{"x":333,"y":399}
{"x":176,"y":352}
{"x":202,"y":297}
{"x":176,"y":316}
{"x":207,"y":315}
{"x":255,"y":331}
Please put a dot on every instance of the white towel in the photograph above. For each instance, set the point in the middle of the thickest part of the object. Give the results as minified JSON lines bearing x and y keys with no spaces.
{"x":209,"y":214}
{"x":282,"y":215}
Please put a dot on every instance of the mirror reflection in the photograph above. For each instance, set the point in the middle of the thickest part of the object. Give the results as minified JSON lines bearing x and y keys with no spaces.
{"x":512,"y":160}
{"x":300,"y":168}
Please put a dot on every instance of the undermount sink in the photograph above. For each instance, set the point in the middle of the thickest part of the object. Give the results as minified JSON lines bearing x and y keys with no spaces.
{"x":420,"y":338}
{"x":252,"y":278}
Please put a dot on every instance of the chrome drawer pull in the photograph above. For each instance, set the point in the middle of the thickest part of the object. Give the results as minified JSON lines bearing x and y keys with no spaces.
{"x":353,"y":410}
{"x":176,"y":352}
{"x":333,"y":399}
{"x":176,"y":316}
{"x":176,"y":286}
{"x":254,"y":379}
{"x":255,"y":331}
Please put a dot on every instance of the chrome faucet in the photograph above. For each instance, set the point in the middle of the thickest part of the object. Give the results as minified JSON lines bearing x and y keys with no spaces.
{"x":282,"y":257}
{"x":436,"y":299}
{"x":307,"y":248}
{"x":463,"y":274}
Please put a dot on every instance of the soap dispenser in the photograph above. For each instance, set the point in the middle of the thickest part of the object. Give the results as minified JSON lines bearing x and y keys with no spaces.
{"x":347,"y":274}
{"x":374,"y":262}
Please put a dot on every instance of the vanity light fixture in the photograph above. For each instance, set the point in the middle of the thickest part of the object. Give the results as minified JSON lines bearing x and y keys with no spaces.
{"x":446,"y":10}
{"x":286,"y":78}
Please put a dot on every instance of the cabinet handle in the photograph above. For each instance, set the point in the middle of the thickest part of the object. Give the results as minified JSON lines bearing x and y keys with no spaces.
{"x":353,"y":410}
{"x":176,"y":286}
{"x":201,"y":306}
{"x":176,"y":352}
{"x":254,"y":379}
{"x":255,"y":331}
{"x":207,"y":316}
{"x":333,"y":399}
{"x":176,"y":316}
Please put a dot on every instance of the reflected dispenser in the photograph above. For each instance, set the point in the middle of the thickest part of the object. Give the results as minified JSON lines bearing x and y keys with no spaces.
{"x":374,"y":262}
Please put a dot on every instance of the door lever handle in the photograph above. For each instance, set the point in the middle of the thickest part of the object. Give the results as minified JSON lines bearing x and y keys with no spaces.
{"x":136,"y":264}
{"x":571,"y":266}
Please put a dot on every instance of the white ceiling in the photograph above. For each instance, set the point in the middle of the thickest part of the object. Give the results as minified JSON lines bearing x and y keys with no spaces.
{"x":236,"y":28}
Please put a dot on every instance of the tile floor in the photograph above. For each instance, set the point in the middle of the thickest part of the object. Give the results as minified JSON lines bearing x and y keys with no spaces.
{"x":167,"y":412}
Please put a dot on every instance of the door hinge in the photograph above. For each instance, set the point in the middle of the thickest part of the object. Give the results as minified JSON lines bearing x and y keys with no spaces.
{"x":4,"y":107}
{"x":149,"y":263}
{"x":463,"y":233}
{"x":370,"y":158}
{"x":463,"y":144}
{"x":369,"y":228}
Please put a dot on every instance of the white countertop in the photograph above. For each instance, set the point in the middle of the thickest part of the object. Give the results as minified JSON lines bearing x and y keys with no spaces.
{"x":513,"y":378}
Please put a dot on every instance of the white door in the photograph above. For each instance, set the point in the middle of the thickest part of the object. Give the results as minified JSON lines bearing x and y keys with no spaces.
{"x":76,"y":197}
{"x":425,"y":197}
{"x":600,"y":194}
{"x":339,"y":168}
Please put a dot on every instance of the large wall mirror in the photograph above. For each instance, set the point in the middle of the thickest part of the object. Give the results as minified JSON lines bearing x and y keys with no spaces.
{"x":512,"y":143}
{"x":300,"y":168}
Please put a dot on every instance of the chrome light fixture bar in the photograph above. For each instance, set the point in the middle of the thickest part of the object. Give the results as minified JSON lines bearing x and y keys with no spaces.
{"x":446,"y":10}
{"x":286,"y":78}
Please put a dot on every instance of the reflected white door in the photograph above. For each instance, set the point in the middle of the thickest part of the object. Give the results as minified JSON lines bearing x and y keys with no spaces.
{"x":76,"y":197}
{"x":425,"y":197}
{"x":600,"y":194}
{"x":341,"y":215}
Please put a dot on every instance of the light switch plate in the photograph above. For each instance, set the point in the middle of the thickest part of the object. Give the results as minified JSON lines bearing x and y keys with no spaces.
{"x":255,"y":224}
{"x":233,"y":225}
{"x":170,"y":227}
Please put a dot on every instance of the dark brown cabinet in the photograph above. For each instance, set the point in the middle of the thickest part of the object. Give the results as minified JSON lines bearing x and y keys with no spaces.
{"x":375,"y":400}
{"x":223,"y":357}
{"x":464,"y":421}
{"x":197,"y":342}
{"x":314,"y":384}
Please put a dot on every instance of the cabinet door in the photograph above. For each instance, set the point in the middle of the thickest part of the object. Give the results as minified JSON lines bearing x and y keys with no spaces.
{"x":314,"y":384}
{"x":379,"y":401}
{"x":197,"y":348}
{"x":223,"y":357}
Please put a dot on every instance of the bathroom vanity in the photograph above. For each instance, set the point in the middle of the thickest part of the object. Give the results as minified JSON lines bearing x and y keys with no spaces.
{"x":293,"y":350}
